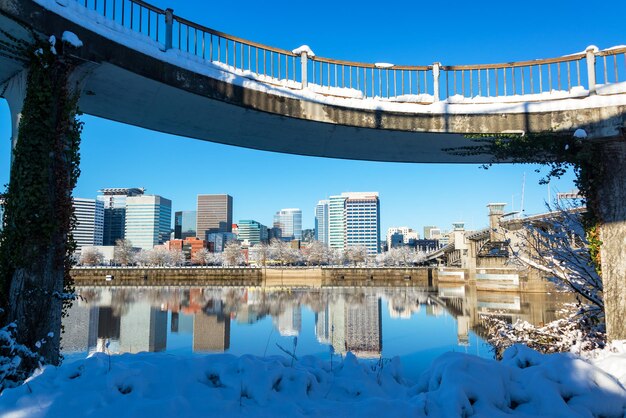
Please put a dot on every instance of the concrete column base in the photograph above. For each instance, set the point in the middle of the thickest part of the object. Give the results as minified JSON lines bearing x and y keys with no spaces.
{"x":611,"y":196}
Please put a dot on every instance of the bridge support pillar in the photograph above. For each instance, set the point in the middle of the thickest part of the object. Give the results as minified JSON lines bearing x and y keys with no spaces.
{"x":610,"y":201}
{"x":15,"y":94}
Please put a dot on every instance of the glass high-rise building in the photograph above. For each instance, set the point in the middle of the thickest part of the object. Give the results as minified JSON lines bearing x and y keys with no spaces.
{"x":114,"y":200}
{"x":290,"y":223}
{"x":89,"y":222}
{"x":185,"y":224}
{"x":148,"y":220}
{"x":252,"y":232}
{"x":354,"y":220}
{"x":321,"y":221}
{"x":337,"y":222}
{"x":214,"y":214}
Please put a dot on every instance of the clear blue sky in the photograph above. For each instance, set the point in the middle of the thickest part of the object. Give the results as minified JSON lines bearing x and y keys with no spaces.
{"x":402,"y":32}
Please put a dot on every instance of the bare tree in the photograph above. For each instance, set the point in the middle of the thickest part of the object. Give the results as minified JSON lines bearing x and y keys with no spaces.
{"x":356,"y":254}
{"x":317,"y":253}
{"x":176,"y":258}
{"x":159,"y":256}
{"x":215,"y":259}
{"x":336,"y":257}
{"x":278,"y":250}
{"x":232,"y":254}
{"x":123,"y":253}
{"x":201,"y":257}
{"x":142,"y":258}
{"x":91,"y":257}
{"x":262,"y":253}
{"x":559,"y":246}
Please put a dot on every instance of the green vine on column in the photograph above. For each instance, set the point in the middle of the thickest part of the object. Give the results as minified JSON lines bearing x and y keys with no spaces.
{"x":39,"y":216}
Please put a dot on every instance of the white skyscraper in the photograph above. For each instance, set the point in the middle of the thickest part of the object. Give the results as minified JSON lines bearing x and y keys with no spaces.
{"x":321,"y":221}
{"x":363,"y":220}
{"x":148,"y":220}
{"x":89,"y":222}
{"x":290,"y":223}
{"x":354,"y":220}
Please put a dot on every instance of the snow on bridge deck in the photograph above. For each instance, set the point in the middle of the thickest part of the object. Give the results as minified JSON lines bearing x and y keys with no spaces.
{"x":376,"y":112}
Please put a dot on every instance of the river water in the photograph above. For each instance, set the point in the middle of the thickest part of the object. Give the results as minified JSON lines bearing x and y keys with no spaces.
{"x":417,"y":324}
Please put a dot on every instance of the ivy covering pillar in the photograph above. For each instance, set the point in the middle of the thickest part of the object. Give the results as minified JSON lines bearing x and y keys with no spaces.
{"x":36,"y":243}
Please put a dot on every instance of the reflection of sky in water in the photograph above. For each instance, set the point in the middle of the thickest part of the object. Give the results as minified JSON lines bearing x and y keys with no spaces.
{"x":415,"y":324}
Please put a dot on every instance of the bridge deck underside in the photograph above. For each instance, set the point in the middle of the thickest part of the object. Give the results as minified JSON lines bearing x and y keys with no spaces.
{"x":131,"y":87}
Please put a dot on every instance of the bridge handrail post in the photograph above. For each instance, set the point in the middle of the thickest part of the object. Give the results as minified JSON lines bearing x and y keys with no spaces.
{"x":169,"y":25}
{"x":304,"y":58}
{"x":591,"y":68}
{"x":436,"y":71}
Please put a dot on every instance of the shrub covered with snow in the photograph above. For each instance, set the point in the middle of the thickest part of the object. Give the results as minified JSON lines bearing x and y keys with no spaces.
{"x":16,"y":360}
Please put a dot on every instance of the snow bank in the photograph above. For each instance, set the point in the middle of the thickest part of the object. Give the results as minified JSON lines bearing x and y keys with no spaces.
{"x":525,"y":383}
{"x":611,"y":359}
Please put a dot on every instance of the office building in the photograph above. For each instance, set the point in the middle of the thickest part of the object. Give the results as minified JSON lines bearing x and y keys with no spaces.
{"x":214,"y":214}
{"x":408,"y":235}
{"x":252,"y":232}
{"x":321,"y":221}
{"x":362,"y":213}
{"x":89,"y":225}
{"x":354,"y":221}
{"x":290,"y":223}
{"x":148,"y":220}
{"x":337,"y":222}
{"x":431,"y":230}
{"x":185,"y":224}
{"x":218,"y":240}
{"x":114,"y":200}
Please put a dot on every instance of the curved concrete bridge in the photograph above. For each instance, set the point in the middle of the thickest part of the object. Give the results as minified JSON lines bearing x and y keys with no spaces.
{"x":148,"y":67}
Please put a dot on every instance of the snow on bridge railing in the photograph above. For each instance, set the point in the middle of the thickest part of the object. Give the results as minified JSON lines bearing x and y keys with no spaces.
{"x":572,"y":75}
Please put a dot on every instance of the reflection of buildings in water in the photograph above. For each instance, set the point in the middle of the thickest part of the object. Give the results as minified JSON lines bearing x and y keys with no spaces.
{"x":211,"y":333}
{"x":143,"y":328}
{"x":433,"y":309}
{"x":403,"y":303}
{"x":364,"y":328}
{"x":181,"y":323}
{"x":355,"y":327}
{"x":289,"y":321}
{"x":80,"y":328}
{"x":470,"y":307}
{"x":401,"y":311}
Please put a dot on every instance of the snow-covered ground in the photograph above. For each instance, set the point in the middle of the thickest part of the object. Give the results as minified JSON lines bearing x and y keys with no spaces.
{"x":524,"y":384}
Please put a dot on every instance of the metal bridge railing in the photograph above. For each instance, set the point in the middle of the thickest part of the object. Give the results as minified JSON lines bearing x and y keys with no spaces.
{"x":577,"y":74}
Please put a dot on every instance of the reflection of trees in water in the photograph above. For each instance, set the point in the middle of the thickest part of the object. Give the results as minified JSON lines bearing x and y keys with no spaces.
{"x":122,"y":298}
{"x":89,"y":295}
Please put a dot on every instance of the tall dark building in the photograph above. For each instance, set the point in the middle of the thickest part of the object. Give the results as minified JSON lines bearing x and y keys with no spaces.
{"x":214,"y":214}
{"x":185,"y":224}
{"x":114,"y":200}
